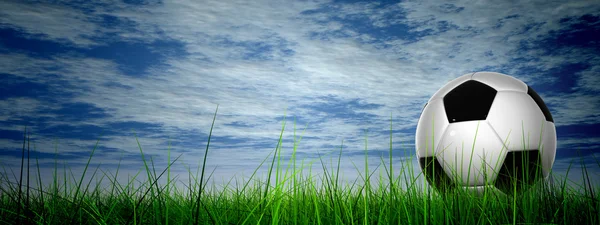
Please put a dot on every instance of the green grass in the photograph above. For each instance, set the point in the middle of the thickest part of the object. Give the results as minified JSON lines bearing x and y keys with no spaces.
{"x":293,"y":198}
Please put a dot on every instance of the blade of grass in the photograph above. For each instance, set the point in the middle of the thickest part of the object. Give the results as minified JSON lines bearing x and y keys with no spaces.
{"x":202,"y":175}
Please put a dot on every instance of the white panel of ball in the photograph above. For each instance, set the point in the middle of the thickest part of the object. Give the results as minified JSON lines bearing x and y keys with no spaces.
{"x":500,"y":82}
{"x":433,"y":115}
{"x":548,"y":150}
{"x":517,"y":120}
{"x":469,"y":152}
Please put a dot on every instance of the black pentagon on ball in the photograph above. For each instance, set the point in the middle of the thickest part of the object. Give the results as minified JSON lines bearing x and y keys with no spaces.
{"x":435,"y":174}
{"x":538,"y":100}
{"x":520,"y":170}
{"x":469,"y":101}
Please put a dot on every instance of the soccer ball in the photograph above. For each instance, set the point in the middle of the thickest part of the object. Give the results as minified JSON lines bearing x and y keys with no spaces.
{"x":485,"y":131}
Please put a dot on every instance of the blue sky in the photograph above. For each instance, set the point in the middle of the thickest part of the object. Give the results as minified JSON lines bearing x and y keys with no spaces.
{"x":75,"y":73}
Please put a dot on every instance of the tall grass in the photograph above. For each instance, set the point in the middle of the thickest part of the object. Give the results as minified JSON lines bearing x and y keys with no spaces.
{"x":293,"y":198}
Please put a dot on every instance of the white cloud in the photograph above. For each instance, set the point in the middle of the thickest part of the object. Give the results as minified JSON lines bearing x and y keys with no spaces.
{"x":46,"y":21}
{"x":579,"y":109}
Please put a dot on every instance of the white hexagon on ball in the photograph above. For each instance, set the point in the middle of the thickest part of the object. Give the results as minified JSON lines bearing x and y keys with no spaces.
{"x":485,"y":131}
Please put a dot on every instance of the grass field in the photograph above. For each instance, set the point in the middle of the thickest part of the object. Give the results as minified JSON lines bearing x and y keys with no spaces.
{"x":293,"y":198}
